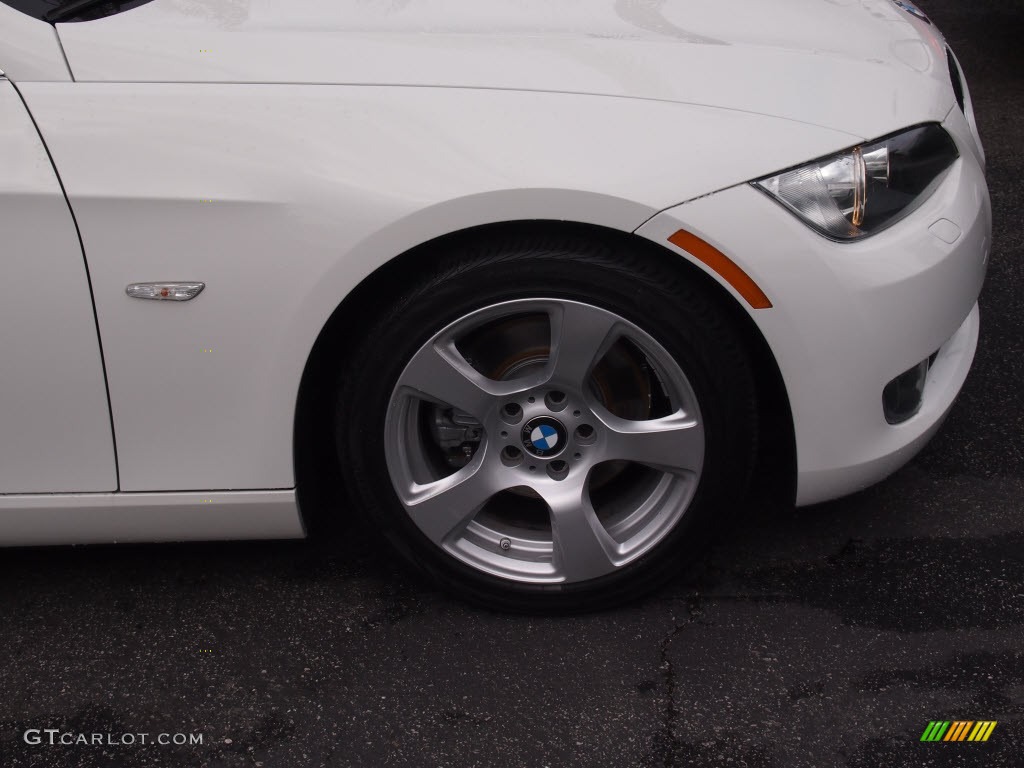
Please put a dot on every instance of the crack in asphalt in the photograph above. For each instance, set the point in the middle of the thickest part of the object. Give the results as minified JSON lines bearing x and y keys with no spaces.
{"x":666,"y":740}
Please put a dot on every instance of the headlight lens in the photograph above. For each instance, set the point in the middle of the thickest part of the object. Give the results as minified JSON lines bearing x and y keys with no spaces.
{"x":865,"y":189}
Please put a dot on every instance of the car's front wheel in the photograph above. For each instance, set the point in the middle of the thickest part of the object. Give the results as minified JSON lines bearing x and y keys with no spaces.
{"x":542,"y":424}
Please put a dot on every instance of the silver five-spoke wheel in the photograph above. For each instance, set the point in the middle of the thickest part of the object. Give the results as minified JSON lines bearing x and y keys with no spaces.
{"x":544,"y":441}
{"x":544,"y":417}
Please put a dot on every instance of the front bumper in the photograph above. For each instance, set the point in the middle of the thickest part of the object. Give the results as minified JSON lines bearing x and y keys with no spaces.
{"x":847,"y":318}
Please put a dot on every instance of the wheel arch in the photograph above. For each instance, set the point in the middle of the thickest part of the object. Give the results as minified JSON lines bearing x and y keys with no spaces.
{"x":318,"y":485}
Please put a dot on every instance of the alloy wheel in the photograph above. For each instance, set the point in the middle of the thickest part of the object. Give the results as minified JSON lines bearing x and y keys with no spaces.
{"x":544,"y":441}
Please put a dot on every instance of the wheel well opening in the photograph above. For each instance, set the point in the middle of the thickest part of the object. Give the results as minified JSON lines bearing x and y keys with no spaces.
{"x":322,"y":499}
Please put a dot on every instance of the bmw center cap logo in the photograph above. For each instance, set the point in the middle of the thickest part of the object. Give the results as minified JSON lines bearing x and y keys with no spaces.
{"x":544,"y":436}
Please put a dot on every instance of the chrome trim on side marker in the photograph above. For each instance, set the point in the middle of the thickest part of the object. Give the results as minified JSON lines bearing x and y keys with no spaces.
{"x":165,"y":291}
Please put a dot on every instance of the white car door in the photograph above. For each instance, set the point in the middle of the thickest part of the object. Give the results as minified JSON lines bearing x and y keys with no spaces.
{"x":55,"y":429}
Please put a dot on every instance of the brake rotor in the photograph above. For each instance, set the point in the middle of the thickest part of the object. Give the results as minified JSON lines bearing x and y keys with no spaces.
{"x":514,"y":347}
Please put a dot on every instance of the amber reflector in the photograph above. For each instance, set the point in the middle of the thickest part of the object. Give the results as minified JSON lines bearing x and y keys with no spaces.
{"x":722,"y":265}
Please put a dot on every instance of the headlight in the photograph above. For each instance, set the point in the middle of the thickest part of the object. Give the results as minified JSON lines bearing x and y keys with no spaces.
{"x":865,"y":189}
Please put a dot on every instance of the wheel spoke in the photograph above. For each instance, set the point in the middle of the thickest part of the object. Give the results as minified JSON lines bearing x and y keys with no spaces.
{"x":674,"y":443}
{"x":439,"y":372}
{"x":582,"y":547}
{"x":580,"y":335}
{"x":446,"y":506}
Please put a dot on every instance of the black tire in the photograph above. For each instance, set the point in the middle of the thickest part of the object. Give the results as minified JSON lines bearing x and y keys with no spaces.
{"x":667,"y":301}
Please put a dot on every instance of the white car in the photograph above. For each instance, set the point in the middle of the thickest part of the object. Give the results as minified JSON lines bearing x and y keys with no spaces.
{"x":538,"y":285}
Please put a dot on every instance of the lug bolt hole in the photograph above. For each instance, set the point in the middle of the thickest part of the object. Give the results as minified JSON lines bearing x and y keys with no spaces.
{"x":558,"y":470}
{"x":511,"y":413}
{"x":531,"y":399}
{"x":556,"y":401}
{"x":577,"y":456}
{"x":511,"y":456}
{"x":504,"y":434}
{"x":576,"y":414}
{"x":585,"y":434}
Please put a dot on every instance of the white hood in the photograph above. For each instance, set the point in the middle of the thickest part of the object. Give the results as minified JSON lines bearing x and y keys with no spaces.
{"x":865,"y":67}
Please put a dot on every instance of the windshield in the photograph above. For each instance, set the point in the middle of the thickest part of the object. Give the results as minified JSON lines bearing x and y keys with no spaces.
{"x":72,"y":10}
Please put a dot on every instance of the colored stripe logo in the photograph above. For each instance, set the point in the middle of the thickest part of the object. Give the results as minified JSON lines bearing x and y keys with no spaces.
{"x":958,"y":730}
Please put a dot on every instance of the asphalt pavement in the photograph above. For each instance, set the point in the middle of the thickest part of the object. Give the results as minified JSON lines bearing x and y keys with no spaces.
{"x":828,"y":636}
